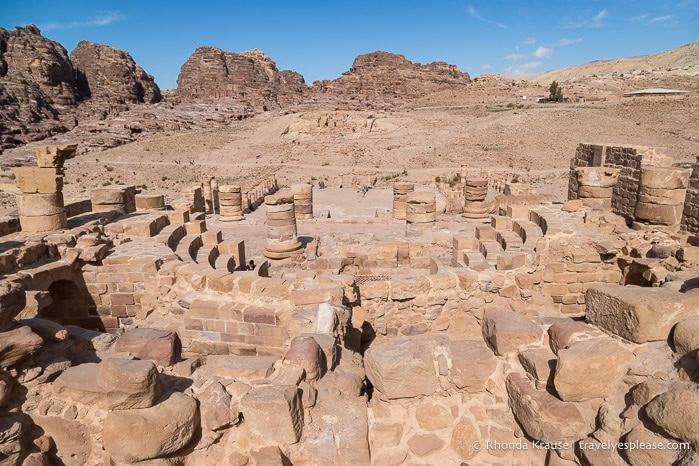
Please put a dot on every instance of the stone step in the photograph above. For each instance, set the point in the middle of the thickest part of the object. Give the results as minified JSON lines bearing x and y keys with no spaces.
{"x":474,"y":260}
{"x":490,"y":250}
{"x":171,"y":235}
{"x":207,"y":255}
{"x":225,"y":262}
{"x":509,"y":240}
{"x":188,"y":247}
{"x":527,"y":230}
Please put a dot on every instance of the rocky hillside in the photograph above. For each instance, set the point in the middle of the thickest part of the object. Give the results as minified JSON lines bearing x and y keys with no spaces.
{"x":252,"y":77}
{"x":37,"y":86}
{"x":110,"y":75}
{"x":44,"y":92}
{"x":681,"y":57}
{"x":382,"y":77}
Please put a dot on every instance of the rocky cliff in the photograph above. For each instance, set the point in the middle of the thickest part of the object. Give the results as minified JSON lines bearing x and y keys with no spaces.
{"x":37,"y":86}
{"x":252,"y":77}
{"x":386,"y":77}
{"x":44,"y":92}
{"x":110,"y":75}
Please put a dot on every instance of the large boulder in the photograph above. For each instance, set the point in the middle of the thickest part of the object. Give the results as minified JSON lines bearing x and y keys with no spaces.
{"x":638,"y":314}
{"x":677,"y":413}
{"x":402,"y":368}
{"x":112,"y":384}
{"x":160,"y":346}
{"x":16,"y":344}
{"x":685,"y":336}
{"x":274,"y":413}
{"x":141,"y":434}
{"x":590,"y":369}
{"x":507,"y":331}
{"x":543,"y":416}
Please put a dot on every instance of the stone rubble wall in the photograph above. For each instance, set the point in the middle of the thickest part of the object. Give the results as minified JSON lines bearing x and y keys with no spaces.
{"x":690,"y":217}
{"x":626,"y":158}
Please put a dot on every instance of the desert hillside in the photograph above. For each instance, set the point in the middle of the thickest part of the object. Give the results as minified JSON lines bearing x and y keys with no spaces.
{"x":686,"y":56}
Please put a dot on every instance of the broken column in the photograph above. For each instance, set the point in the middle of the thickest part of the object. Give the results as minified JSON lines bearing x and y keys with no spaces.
{"x":150,"y":202}
{"x":40,"y":204}
{"x":231,"y":203}
{"x":661,"y":195}
{"x":215,"y":196}
{"x":596,"y":185}
{"x":475,"y":192}
{"x":303,"y":200}
{"x":120,"y":199}
{"x":400,"y":196}
{"x":282,"y":240}
{"x":421,"y":208}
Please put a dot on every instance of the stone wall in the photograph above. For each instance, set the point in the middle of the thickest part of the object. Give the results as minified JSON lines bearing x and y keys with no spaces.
{"x":626,"y":158}
{"x":690,"y":217}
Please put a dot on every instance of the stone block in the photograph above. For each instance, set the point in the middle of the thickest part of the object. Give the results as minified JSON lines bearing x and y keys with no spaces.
{"x":31,"y":180}
{"x":638,"y":314}
{"x":274,"y":413}
{"x":543,"y":416}
{"x":160,"y":346}
{"x":44,"y":223}
{"x":506,"y":331}
{"x":54,"y":156}
{"x":590,"y":369}
{"x":136,"y":435}
{"x":112,"y":384}
{"x":402,"y":368}
{"x":36,"y":205}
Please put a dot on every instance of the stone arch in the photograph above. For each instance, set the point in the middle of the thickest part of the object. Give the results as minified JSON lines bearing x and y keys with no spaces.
{"x":68,"y":303}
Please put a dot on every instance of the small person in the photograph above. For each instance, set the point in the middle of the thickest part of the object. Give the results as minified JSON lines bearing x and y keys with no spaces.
{"x":251,"y":265}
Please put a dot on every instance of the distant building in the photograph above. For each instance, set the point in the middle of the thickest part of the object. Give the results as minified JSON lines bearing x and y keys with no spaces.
{"x":655,"y":91}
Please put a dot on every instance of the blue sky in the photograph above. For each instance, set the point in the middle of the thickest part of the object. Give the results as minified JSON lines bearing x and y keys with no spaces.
{"x":320,"y":39}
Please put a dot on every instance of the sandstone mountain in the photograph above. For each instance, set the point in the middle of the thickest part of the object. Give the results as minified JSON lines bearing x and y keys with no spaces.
{"x":251,"y":77}
{"x":110,"y":75}
{"x":37,"y":85}
{"x":387,"y":77}
{"x":681,"y":57}
{"x":44,"y":92}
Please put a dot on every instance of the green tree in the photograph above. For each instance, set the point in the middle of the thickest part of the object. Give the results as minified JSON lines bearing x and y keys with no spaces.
{"x":555,"y":92}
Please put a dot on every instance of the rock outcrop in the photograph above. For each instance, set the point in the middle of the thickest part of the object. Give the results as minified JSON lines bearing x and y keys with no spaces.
{"x":44,"y":92}
{"x":386,"y":77}
{"x":250,"y":76}
{"x":108,"y":75}
{"x":37,"y":84}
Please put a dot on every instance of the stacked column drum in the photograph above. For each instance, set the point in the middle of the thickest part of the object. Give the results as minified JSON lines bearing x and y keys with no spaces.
{"x":150,"y":202}
{"x":303,"y":200}
{"x":40,"y":203}
{"x":596,"y":185}
{"x":421,"y":208}
{"x":475,"y":192}
{"x":282,"y":239}
{"x":121,"y":199}
{"x":400,"y":196}
{"x":230,"y":201}
{"x":661,"y":195}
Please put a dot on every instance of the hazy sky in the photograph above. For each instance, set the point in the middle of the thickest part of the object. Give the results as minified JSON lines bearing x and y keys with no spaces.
{"x":320,"y":39}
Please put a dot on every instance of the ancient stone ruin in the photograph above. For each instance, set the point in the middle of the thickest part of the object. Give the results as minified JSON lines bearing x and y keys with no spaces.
{"x":230,"y":327}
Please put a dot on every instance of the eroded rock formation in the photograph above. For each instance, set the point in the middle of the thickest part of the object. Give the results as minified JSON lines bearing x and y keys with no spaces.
{"x":37,"y":86}
{"x":386,"y":77}
{"x":110,"y":75}
{"x":250,"y":76}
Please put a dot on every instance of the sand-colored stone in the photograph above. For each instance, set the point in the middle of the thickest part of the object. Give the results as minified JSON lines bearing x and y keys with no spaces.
{"x":638,"y":314}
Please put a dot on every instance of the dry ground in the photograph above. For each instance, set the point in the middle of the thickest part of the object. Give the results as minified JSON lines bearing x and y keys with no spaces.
{"x":488,"y":126}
